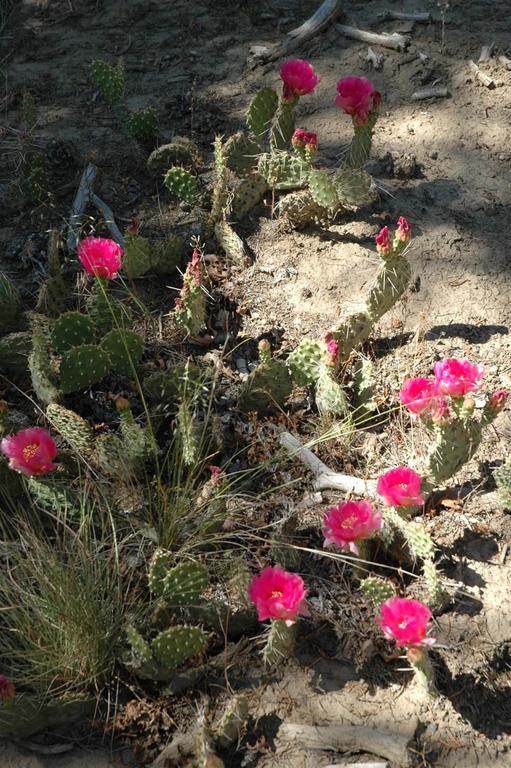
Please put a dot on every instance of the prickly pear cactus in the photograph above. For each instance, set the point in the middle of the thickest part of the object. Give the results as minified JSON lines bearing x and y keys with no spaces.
{"x":241,"y":153}
{"x":75,"y":430}
{"x":53,"y":495}
{"x":266,"y":389}
{"x":53,"y":293}
{"x":109,"y":80}
{"x":261,"y":112}
{"x":107,"y":312}
{"x":180,"y":585}
{"x":279,"y":644}
{"x":10,"y":305}
{"x":231,"y":243}
{"x":83,"y":366}
{"x":71,"y":330}
{"x":166,"y":254}
{"x":174,"y":646}
{"x":182,"y":185}
{"x":137,"y":256}
{"x":376,"y":589}
{"x":44,"y":382}
{"x":143,"y":124}
{"x":124,"y":349}
{"x":283,"y":171}
{"x":323,"y":190}
{"x":14,"y":351}
{"x":331,"y":398}
{"x":360,"y":148}
{"x":220,"y":190}
{"x":363,"y":387}
{"x":305,"y":362}
{"x":189,"y":431}
{"x":354,"y":187}
{"x":246,"y":194}
{"x":190,"y":306}
{"x":300,"y":209}
{"x":456,"y":443}
{"x":140,"y":649}
{"x":283,"y":125}
{"x":503,"y":480}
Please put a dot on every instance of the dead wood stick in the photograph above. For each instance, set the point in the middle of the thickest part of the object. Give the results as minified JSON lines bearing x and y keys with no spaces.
{"x":484,"y":79}
{"x":359,"y":765}
{"x":391,"y":746}
{"x":109,"y":219}
{"x":487,"y":51}
{"x":81,"y":199}
{"x":433,"y":92}
{"x":374,"y":58}
{"x":320,"y":19}
{"x":324,"y":476}
{"x":505,"y":61}
{"x":404,"y":16}
{"x":394,"y":40}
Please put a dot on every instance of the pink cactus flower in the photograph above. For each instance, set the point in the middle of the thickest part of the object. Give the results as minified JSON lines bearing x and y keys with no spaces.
{"x":441,"y":411}
{"x":304,"y":140}
{"x":100,"y":257}
{"x":404,"y":230}
{"x":498,"y":399}
{"x":298,"y":79}
{"x":278,"y":594}
{"x":217,"y":474}
{"x":383,"y":245}
{"x":332,"y":351}
{"x":457,"y":377}
{"x":349,"y":522}
{"x":30,"y":451}
{"x":400,"y":487}
{"x":418,"y":394}
{"x":405,"y":621}
{"x":7,"y":689}
{"x":358,"y":97}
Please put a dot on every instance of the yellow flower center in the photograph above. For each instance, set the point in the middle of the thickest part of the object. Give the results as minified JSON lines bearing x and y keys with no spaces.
{"x":276,"y":593}
{"x":29,"y":451}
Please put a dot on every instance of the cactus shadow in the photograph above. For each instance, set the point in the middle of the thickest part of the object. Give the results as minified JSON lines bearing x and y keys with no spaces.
{"x":475,"y":545}
{"x":476,"y":334}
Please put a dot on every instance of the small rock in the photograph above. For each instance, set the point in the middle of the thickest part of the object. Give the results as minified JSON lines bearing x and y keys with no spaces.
{"x":434,"y":155}
{"x":306,"y":293}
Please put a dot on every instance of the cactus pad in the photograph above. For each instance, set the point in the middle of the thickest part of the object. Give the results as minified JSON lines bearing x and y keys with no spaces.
{"x":184,"y":584}
{"x":182,"y":185}
{"x":137,"y":258}
{"x":261,"y":112}
{"x":241,"y":153}
{"x":83,"y":366}
{"x":75,"y":430}
{"x":283,"y":171}
{"x":323,"y":190}
{"x":109,"y":80}
{"x":124,"y":348}
{"x":283,"y":125}
{"x":376,"y":589}
{"x":304,"y":362}
{"x":41,"y":372}
{"x":266,"y":388}
{"x":143,"y":124}
{"x":166,"y":254}
{"x":330,"y":396}
{"x":247,"y":194}
{"x":140,"y":650}
{"x":175,"y":645}
{"x":71,"y":330}
{"x":503,"y":480}
{"x":354,"y":187}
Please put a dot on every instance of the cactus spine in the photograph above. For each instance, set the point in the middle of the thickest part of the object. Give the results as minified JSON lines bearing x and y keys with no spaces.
{"x":280,"y":643}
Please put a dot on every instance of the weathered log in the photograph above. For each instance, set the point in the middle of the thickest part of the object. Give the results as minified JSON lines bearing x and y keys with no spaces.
{"x":387,"y":40}
{"x":484,"y":79}
{"x":432,"y":92}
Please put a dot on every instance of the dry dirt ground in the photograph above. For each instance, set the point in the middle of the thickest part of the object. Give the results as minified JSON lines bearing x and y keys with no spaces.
{"x":189,"y":59}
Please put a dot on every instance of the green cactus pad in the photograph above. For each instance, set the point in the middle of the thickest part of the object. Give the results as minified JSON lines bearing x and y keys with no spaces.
{"x":81,"y":367}
{"x":323,"y":190}
{"x":41,"y":371}
{"x":137,"y":257}
{"x":280,"y":643}
{"x":177,"y":644}
{"x":140,"y":650}
{"x":360,"y":148}
{"x":231,"y":243}
{"x":10,"y":305}
{"x":124,"y":349}
{"x":247,"y":194}
{"x":331,"y":399}
{"x":364,"y":388}
{"x":437,"y":596}
{"x":105,"y":311}
{"x":418,"y":540}
{"x":75,"y":430}
{"x":283,"y":125}
{"x":283,"y":171}
{"x":266,"y":389}
{"x":159,"y":565}
{"x":182,"y":185}
{"x":502,"y":479}
{"x":376,"y":589}
{"x":184,"y":584}
{"x":14,"y":351}
{"x":241,"y":153}
{"x":456,"y":443}
{"x":53,"y":495}
{"x":167,"y":255}
{"x":304,"y":362}
{"x":300,"y":209}
{"x":109,"y":80}
{"x":143,"y":124}
{"x":354,"y":187}
{"x":261,"y":112}
{"x":72,"y":329}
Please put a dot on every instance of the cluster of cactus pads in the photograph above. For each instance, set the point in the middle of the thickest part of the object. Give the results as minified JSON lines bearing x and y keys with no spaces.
{"x":141,"y":124}
{"x":174,"y":587}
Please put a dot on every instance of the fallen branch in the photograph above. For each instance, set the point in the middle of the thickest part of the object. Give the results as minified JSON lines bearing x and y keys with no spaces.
{"x":404,"y":16}
{"x":109,"y":219}
{"x":324,"y":476}
{"x":484,"y":79}
{"x":375,"y":59}
{"x":487,"y":51}
{"x":505,"y":61}
{"x":387,"y":40}
{"x":391,"y":746}
{"x":81,"y":199}
{"x":432,"y":92}
{"x":359,"y":765}
{"x":324,"y":16}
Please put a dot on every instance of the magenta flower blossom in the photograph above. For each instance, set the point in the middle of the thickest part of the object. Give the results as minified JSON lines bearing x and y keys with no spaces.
{"x":498,"y":399}
{"x":304,"y":140}
{"x":400,"y":487}
{"x":457,"y":377}
{"x":418,"y":394}
{"x":405,"y":621}
{"x":349,"y":522}
{"x":358,"y":97}
{"x":383,"y":245}
{"x":332,"y":351}
{"x":7,"y":689}
{"x":404,"y":230}
{"x":278,"y":594}
{"x":30,"y":451}
{"x":298,"y":79}
{"x":100,"y":257}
